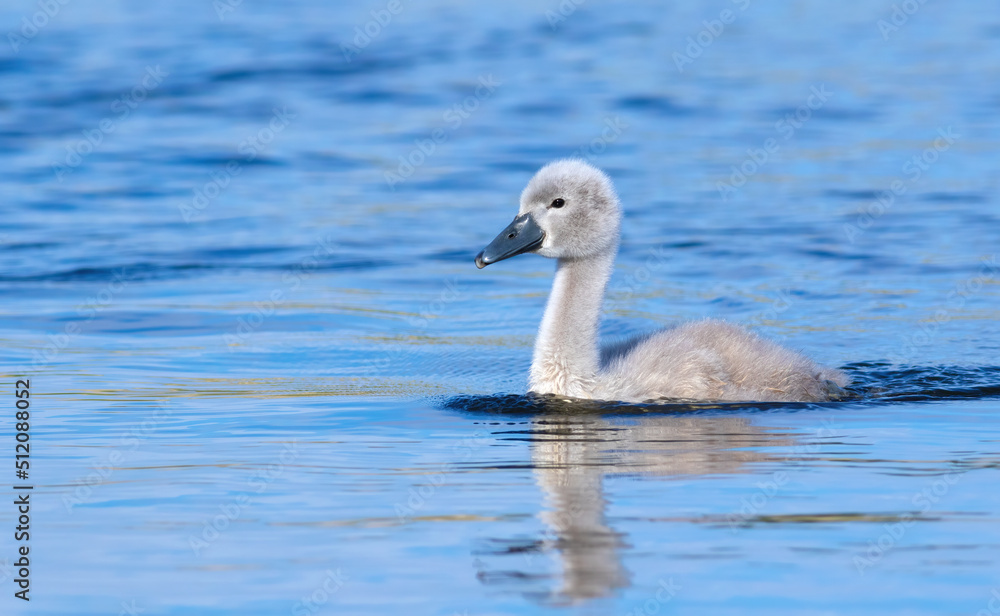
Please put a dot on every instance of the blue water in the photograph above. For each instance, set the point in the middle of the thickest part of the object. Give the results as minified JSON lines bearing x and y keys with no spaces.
{"x":236,"y":263}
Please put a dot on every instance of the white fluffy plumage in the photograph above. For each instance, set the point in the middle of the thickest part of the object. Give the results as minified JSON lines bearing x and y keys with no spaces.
{"x":702,"y":360}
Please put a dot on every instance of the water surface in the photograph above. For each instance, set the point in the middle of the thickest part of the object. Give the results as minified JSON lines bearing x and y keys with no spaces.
{"x":236,"y":263}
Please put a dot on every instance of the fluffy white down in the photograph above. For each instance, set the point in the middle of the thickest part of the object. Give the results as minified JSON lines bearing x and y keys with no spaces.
{"x":702,"y":360}
{"x":712,"y":360}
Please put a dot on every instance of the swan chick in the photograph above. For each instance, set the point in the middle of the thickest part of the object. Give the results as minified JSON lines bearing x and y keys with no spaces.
{"x":570,"y":212}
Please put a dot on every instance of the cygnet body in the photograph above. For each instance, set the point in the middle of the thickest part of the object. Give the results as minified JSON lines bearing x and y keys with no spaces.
{"x":570,"y":212}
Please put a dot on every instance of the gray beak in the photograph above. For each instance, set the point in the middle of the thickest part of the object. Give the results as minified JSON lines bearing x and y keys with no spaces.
{"x":522,"y":235}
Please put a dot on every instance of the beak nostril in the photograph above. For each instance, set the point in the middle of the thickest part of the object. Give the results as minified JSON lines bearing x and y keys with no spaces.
{"x":512,"y":236}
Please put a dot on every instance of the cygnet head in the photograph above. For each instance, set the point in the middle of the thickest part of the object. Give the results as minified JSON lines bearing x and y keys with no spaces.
{"x":568,"y":210}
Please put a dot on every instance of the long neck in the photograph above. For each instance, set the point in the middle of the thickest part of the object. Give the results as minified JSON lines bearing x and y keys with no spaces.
{"x":567,"y":357}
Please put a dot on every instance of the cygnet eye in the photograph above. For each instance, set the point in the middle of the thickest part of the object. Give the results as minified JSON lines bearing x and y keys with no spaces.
{"x":558,"y":203}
